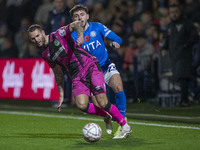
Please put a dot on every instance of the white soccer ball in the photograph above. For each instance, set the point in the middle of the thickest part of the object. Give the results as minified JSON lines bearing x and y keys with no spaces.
{"x":92,"y":132}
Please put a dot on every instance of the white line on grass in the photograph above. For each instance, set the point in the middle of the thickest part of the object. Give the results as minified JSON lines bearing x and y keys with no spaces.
{"x":91,"y":119}
{"x":129,"y":114}
{"x":162,"y":116}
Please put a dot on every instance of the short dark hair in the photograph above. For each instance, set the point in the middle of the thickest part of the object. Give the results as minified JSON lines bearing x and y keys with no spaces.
{"x":34,"y":27}
{"x":77,"y":8}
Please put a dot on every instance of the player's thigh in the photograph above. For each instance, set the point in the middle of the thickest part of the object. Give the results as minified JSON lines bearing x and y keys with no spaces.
{"x":81,"y":93}
{"x":115,"y":83}
{"x":80,"y":87}
{"x":113,"y":79}
{"x":110,"y":72}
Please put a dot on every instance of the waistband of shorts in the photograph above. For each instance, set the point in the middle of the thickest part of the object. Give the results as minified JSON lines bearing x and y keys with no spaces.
{"x":104,"y":67}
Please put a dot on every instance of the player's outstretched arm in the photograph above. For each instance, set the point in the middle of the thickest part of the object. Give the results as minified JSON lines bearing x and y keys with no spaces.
{"x":76,"y":25}
{"x":58,"y":74}
{"x":110,"y":35}
{"x":115,"y":44}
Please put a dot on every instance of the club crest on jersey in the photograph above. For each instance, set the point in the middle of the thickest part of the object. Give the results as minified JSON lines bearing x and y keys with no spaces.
{"x":93,"y":33}
{"x":179,"y":26}
{"x":87,"y":38}
{"x":62,"y":32}
{"x":56,"y":43}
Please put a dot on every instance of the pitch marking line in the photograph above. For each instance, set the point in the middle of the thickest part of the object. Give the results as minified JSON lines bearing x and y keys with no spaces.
{"x":91,"y":119}
{"x":163,"y":116}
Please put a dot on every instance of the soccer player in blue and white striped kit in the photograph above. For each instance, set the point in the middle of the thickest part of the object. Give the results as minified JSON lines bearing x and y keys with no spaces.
{"x":94,"y":34}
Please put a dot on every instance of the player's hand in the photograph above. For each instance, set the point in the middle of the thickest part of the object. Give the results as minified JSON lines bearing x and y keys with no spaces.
{"x":114,"y":45}
{"x":80,"y":40}
{"x":60,"y":103}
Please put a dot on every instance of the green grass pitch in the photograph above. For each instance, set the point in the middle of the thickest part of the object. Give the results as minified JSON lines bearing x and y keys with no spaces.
{"x":54,"y":131}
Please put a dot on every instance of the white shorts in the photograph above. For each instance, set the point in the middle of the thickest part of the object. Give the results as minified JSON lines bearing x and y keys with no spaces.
{"x":109,"y":72}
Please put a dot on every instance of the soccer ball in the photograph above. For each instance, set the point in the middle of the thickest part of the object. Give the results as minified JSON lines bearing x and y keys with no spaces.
{"x":92,"y":132}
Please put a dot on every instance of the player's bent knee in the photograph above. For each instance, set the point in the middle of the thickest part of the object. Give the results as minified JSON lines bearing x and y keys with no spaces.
{"x":102,"y":105}
{"x":102,"y":100}
{"x":107,"y":107}
{"x":83,"y":107}
{"x":118,"y":88}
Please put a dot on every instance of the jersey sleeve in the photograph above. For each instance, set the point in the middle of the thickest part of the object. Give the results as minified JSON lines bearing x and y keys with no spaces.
{"x":107,"y":33}
{"x":63,"y":31}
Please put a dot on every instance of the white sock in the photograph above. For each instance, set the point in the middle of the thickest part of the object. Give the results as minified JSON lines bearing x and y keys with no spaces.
{"x":126,"y":127}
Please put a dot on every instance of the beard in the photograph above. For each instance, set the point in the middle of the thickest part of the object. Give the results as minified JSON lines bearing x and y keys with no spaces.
{"x":43,"y":43}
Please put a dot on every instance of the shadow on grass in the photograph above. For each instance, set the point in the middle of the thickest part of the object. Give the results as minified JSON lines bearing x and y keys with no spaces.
{"x":79,"y":142}
{"x":45,"y":135}
{"x":127,"y":143}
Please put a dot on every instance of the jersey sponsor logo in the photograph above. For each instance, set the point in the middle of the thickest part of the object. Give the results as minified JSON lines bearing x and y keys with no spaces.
{"x":58,"y":53}
{"x":56,"y":43}
{"x":41,"y":80}
{"x":92,"y":45}
{"x":12,"y":79}
{"x":62,"y":32}
{"x":87,"y":38}
{"x":93,"y":33}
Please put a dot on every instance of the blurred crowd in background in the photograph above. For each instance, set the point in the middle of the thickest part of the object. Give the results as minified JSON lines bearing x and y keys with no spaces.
{"x":140,"y":23}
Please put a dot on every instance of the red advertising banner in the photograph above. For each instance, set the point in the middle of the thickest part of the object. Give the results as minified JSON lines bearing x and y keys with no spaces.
{"x":30,"y":79}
